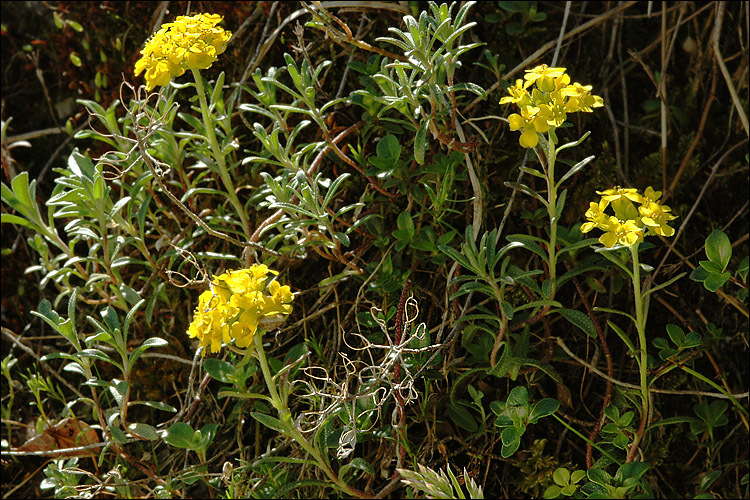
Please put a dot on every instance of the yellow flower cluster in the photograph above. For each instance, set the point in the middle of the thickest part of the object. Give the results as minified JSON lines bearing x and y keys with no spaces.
{"x":190,"y":42}
{"x":628,"y":224}
{"x":547,"y":104}
{"x":236,"y":305}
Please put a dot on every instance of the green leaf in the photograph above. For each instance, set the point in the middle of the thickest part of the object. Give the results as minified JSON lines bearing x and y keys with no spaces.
{"x":599,"y":476}
{"x":218,"y":369}
{"x":706,"y":481}
{"x":715,"y":281}
{"x":553,"y":491}
{"x":269,"y":421}
{"x":181,"y":435}
{"x":543,"y":408}
{"x":512,"y":433}
{"x":462,"y":417}
{"x":206,"y":434}
{"x":580,"y":320}
{"x":676,"y":334}
{"x":507,"y":309}
{"x":389,"y":149}
{"x":99,"y":355}
{"x":159,"y":405}
{"x":457,"y":256}
{"x":631,"y":472}
{"x":712,"y":414}
{"x":518,"y":396}
{"x":560,"y":204}
{"x":333,"y":188}
{"x":530,"y":243}
{"x":118,"y":435}
{"x":712,"y":267}
{"x":343,"y":238}
{"x":538,"y":303}
{"x":623,"y":336}
{"x":111,"y":318}
{"x":151,"y":342}
{"x":663,"y":285}
{"x":719,"y":248}
{"x":513,"y":6}
{"x":420,"y":142}
{"x":510,"y":446}
{"x":358,"y":463}
{"x":405,"y":222}
{"x":533,"y":172}
{"x":742,"y":270}
{"x":14,"y":219}
{"x":22,"y":191}
{"x":699,"y":274}
{"x":144,"y":431}
{"x":561,"y":476}
{"x":527,"y":190}
{"x":621,"y":441}
{"x":547,"y":287}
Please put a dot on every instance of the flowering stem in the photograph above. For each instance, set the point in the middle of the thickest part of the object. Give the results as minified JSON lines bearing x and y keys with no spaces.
{"x":218,"y":155}
{"x":551,"y":210}
{"x":640,"y":323}
{"x":287,"y":423}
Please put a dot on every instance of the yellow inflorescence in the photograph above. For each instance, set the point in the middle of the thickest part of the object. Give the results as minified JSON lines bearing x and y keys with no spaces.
{"x":545,"y":97}
{"x":236,"y":305}
{"x":190,"y":42}
{"x":629,"y":224}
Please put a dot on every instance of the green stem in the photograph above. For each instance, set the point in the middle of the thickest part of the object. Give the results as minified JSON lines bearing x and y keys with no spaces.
{"x":716,"y":386}
{"x":288,"y":424}
{"x":218,"y":155}
{"x":640,"y":323}
{"x":587,"y":440}
{"x":551,"y":209}
{"x":503,"y":321}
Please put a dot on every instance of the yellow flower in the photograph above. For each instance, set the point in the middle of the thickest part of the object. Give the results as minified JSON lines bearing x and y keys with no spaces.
{"x":531,"y":120}
{"x":656,"y":216}
{"x":581,"y":98}
{"x":596,"y":216}
{"x":625,"y":233}
{"x":518,"y":94}
{"x":651,"y":194}
{"x":524,"y":121}
{"x":236,"y":306}
{"x":281,"y":297}
{"x":208,"y":320}
{"x":557,"y":108}
{"x":621,"y":200}
{"x":544,"y":77}
{"x":628,"y":224}
{"x":190,"y":42}
{"x":617,"y":193}
{"x":552,"y":97}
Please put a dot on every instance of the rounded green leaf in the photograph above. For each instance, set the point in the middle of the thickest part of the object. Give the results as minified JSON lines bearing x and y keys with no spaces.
{"x":218,"y":369}
{"x":543,"y":408}
{"x":715,"y":281}
{"x":180,"y":435}
{"x":577,"y":476}
{"x":719,"y":248}
{"x":561,"y":476}
{"x":512,"y":434}
{"x":552,"y":492}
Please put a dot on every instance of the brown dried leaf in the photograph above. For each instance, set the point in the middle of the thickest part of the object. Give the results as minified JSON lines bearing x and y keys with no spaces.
{"x":68,"y":433}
